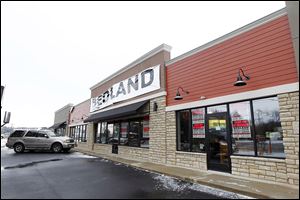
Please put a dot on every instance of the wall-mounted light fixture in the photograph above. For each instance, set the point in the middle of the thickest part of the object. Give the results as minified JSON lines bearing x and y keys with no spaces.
{"x":239,"y":80}
{"x":155,"y":106}
{"x":178,"y":96}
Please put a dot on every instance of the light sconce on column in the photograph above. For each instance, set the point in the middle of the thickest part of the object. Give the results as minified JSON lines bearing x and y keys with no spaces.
{"x":155,"y":106}
{"x":178,"y":96}
{"x":240,"y":81}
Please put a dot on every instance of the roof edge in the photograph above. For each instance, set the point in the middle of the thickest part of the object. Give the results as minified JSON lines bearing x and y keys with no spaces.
{"x":68,"y":105}
{"x":154,"y":51}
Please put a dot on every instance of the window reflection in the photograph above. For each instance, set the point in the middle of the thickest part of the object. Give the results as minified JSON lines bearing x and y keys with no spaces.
{"x":183,"y":130}
{"x":268,"y":127}
{"x":242,"y":141}
{"x":198,"y":127}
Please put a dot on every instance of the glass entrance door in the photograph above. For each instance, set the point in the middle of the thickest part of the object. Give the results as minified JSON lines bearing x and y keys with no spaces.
{"x":218,"y":140}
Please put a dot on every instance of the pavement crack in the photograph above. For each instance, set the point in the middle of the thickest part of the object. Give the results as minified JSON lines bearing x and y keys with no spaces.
{"x":30,"y":164}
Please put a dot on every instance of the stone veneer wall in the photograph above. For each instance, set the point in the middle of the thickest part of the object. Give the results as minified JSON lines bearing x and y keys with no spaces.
{"x":289,"y":116}
{"x":180,"y":158}
{"x":260,"y":168}
{"x":157,"y":124}
{"x":133,"y":153}
{"x":279,"y":170}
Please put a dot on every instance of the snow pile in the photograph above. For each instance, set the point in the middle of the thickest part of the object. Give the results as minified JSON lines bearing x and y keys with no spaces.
{"x":176,"y":185}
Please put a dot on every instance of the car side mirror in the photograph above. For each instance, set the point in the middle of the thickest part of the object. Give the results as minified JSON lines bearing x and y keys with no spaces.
{"x":47,"y":136}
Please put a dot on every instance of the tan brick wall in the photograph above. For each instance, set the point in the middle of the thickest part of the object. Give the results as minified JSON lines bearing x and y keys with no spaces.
{"x":289,"y":116}
{"x":260,"y":168}
{"x":171,"y":137}
{"x":134,"y":153}
{"x":157,"y":123}
{"x":191,"y":160}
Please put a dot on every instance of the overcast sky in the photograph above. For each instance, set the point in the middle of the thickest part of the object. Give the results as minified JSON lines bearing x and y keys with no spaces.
{"x":53,"y":52}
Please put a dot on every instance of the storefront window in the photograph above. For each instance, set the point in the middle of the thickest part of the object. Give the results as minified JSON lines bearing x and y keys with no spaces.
{"x":116,"y":133}
{"x":145,"y":134}
{"x":216,"y":109}
{"x":124,"y":133}
{"x":97,"y":133}
{"x":103,"y":132}
{"x":242,"y":140}
{"x":183,"y":142}
{"x":198,"y":130}
{"x":268,"y":128}
{"x":133,"y":135}
{"x":110,"y":132}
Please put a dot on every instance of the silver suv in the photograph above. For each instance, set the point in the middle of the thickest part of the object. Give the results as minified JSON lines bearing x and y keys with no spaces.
{"x":21,"y":140}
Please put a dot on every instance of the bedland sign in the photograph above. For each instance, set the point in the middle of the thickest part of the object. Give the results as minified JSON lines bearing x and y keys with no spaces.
{"x":142,"y":83}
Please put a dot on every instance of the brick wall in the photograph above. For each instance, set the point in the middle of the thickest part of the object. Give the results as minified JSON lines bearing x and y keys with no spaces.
{"x":260,"y":168}
{"x":157,"y":123}
{"x":289,"y":116}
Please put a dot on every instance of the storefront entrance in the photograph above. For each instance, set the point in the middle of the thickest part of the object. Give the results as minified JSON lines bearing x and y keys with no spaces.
{"x":218,"y":157}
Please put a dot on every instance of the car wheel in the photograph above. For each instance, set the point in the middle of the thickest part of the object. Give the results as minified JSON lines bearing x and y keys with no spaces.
{"x":19,"y":148}
{"x":56,"y":147}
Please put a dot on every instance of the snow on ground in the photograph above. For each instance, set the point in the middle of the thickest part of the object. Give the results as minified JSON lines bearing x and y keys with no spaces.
{"x":80,"y":155}
{"x":3,"y":142}
{"x":174,"y":184}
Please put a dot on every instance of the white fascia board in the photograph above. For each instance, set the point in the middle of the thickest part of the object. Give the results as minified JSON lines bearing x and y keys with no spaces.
{"x":132,"y":102}
{"x":292,"y":87}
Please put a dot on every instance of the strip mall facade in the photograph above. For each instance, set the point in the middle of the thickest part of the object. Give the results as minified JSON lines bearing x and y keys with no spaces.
{"x":249,"y":131}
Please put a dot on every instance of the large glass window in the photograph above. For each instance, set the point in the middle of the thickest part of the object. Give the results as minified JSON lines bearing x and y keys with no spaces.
{"x":97,"y":133}
{"x":145,"y":134}
{"x":183,"y":139}
{"x":110,"y":132}
{"x":268,"y":127}
{"x":116,"y":133}
{"x":124,"y":133}
{"x":198,"y":130}
{"x":242,"y":140}
{"x":255,"y":128}
{"x":133,"y":135}
{"x":104,"y":132}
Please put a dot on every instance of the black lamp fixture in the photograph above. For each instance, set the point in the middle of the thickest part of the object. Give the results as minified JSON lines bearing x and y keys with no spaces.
{"x":155,"y":106}
{"x":178,"y":96}
{"x":239,"y":80}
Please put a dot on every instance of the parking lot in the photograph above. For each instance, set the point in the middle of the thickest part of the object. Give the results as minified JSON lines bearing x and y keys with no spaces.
{"x":75,"y":175}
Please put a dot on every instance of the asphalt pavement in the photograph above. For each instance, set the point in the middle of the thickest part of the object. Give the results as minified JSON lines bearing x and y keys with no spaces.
{"x":46,"y":175}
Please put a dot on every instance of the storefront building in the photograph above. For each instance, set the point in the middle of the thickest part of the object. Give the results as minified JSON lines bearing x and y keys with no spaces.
{"x":233,"y":104}
{"x":61,"y":118}
{"x":127,"y":110}
{"x":77,"y":126}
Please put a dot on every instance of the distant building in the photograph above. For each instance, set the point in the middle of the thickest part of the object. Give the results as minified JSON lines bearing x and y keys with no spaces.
{"x":61,"y":118}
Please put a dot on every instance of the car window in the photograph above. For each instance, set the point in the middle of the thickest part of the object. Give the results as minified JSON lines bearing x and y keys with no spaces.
{"x":31,"y":134}
{"x":17,"y":133}
{"x":42,"y":135}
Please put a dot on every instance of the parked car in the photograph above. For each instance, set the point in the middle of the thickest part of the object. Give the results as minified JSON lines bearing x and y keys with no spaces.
{"x":21,"y":140}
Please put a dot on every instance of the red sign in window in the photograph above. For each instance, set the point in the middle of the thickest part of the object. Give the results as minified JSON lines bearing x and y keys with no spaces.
{"x":198,"y":126}
{"x":241,"y":123}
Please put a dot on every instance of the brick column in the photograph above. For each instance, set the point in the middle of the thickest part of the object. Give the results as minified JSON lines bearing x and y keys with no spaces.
{"x":171,"y":137}
{"x":289,"y":116}
{"x":157,"y":142}
{"x":90,"y":132}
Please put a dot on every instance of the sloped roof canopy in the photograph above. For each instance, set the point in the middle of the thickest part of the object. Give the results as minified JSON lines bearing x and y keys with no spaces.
{"x":132,"y":109}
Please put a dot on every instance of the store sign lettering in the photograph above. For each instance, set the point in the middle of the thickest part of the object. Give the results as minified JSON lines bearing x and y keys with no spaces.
{"x":142,"y":83}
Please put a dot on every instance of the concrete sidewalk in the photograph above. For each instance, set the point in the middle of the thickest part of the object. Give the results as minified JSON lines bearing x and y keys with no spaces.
{"x":228,"y":182}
